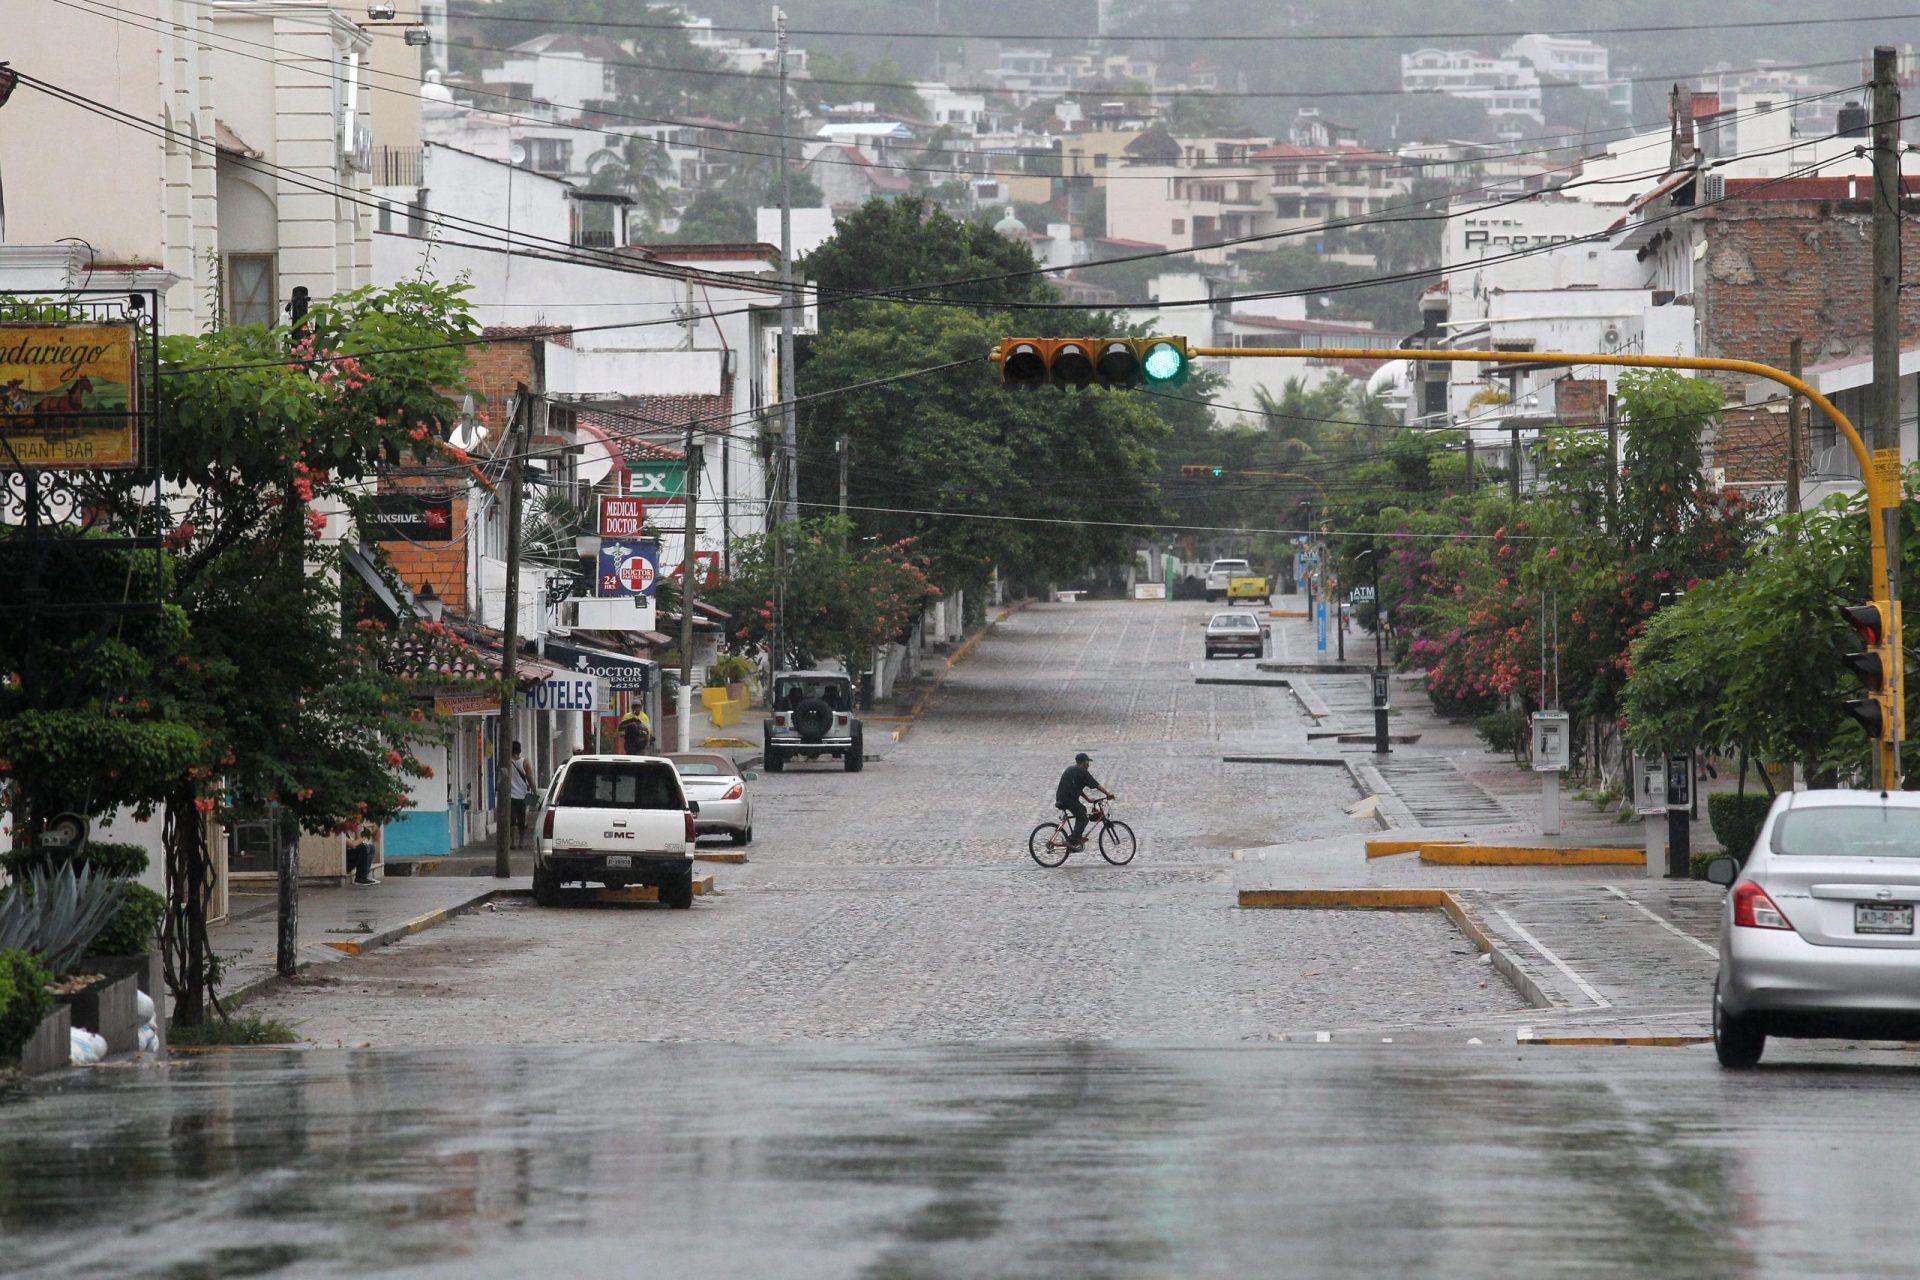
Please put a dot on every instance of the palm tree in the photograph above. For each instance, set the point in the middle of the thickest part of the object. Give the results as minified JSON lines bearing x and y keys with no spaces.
{"x":638,"y":168}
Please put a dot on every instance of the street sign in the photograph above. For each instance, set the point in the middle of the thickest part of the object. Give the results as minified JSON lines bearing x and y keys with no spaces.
{"x":1320,"y":625}
{"x":657,"y":481}
{"x":629,"y":568}
{"x":623,"y":674}
{"x":622,"y":517}
{"x":566,"y":693}
{"x":1650,"y":787}
{"x":409,"y":517}
{"x":1552,"y":742}
{"x":69,"y":396}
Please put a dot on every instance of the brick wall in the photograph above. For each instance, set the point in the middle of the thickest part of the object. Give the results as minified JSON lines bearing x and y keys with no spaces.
{"x":1582,"y":402}
{"x":1775,"y":270}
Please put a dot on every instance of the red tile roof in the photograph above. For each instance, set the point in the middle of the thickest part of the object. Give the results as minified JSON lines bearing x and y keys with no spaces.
{"x":642,"y":427}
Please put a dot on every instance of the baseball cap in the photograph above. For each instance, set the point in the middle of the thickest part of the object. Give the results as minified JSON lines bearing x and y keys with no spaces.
{"x":1082,"y":758}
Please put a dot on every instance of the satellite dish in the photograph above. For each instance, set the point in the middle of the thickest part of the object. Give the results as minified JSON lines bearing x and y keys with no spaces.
{"x":518,"y":153}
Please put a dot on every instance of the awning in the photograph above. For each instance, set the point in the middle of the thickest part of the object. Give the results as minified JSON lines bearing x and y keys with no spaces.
{"x":369,"y":576}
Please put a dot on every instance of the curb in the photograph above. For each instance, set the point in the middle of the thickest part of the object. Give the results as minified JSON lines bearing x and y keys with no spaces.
{"x":702,"y":886}
{"x":734,"y":859}
{"x":373,"y":942}
{"x":1406,"y":900}
{"x":1636,"y":1042}
{"x":1458,"y":854}
{"x":967,"y":646}
{"x":1393,"y":848}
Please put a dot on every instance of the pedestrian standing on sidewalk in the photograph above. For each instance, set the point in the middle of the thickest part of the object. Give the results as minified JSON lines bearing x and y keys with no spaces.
{"x":520,"y":779}
{"x":360,"y":856}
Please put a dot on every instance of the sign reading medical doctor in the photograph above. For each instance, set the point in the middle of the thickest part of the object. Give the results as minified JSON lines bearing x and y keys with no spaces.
{"x":629,"y":568}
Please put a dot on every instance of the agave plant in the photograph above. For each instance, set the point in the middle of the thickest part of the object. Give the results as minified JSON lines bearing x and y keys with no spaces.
{"x":55,"y":914}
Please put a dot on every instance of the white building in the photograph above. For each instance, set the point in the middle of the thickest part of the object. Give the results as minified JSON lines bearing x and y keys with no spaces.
{"x":1571,"y":60}
{"x":567,"y":71}
{"x":256,"y":157}
{"x":1505,"y":86}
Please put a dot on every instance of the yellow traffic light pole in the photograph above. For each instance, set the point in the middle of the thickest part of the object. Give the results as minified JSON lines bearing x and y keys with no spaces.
{"x":1880,"y":471}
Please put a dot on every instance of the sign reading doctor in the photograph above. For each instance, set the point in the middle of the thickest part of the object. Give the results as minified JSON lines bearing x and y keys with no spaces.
{"x":629,"y":568}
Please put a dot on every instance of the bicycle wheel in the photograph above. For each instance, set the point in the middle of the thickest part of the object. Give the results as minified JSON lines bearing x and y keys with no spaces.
{"x":1116,"y":843}
{"x":1048,"y":844}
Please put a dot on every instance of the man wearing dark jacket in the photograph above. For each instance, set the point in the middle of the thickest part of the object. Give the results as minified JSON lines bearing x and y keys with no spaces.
{"x":1077,"y":779}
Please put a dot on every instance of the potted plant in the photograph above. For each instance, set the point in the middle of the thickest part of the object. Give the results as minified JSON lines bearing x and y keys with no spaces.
{"x":54,"y":916}
{"x":732,"y":670}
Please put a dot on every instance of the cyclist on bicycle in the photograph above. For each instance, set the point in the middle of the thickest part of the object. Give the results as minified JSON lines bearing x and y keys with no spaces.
{"x":1076,"y":780}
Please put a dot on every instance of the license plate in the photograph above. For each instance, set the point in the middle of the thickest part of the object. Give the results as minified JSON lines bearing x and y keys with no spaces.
{"x":624,"y":860}
{"x":1870,"y":917}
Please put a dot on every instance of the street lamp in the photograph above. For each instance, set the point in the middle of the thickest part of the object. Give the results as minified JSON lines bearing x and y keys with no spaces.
{"x":429,"y":603}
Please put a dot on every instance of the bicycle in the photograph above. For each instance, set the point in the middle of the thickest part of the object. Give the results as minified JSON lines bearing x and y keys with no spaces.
{"x":1050,"y":842}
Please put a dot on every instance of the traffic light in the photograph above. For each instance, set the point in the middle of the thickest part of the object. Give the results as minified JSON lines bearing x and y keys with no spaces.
{"x":1081,"y":362}
{"x":1202,"y":469}
{"x":1873,"y":666}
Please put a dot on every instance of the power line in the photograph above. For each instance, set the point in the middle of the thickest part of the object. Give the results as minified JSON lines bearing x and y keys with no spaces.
{"x":1181,"y":37}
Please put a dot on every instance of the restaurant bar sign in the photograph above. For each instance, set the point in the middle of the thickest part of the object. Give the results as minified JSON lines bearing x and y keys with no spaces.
{"x":68,"y":397}
{"x":408,"y":517}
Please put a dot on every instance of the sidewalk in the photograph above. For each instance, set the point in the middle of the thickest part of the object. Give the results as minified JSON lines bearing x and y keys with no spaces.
{"x":353,"y":919}
{"x":1604,"y":954}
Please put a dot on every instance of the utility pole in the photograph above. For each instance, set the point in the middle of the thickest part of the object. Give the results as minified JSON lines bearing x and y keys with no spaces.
{"x":689,"y":571}
{"x":842,"y":447}
{"x":789,"y":432}
{"x":510,"y":640}
{"x":1795,"y":407}
{"x":1886,"y":361}
{"x":1513,"y":469}
{"x":1613,"y":463}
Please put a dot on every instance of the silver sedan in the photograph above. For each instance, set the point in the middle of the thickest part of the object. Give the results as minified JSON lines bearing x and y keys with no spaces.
{"x":720,"y":788}
{"x":1817,"y":937}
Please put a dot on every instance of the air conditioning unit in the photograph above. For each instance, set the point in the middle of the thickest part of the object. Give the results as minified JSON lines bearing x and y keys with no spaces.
{"x":1713,"y":187}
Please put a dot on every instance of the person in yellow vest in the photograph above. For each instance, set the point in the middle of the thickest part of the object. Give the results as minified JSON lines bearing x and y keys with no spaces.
{"x":636,"y":733}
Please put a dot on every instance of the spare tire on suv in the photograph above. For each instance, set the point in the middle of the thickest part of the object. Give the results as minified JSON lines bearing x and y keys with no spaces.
{"x":813,"y":716}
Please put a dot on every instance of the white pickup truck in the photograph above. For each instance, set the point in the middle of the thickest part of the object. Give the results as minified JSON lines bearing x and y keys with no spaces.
{"x":616,"y":821}
{"x":1221,"y":575}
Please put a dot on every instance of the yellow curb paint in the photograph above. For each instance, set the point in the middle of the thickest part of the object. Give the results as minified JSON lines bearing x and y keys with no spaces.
{"x":1493,"y":855}
{"x":1637,"y":1042}
{"x":1288,"y":613}
{"x":734,"y":858}
{"x":426,"y":921}
{"x":1391,"y":848}
{"x":1376,"y":899}
{"x":630,"y":893}
{"x":727,"y":742}
{"x":702,"y":885}
{"x":349,"y":948}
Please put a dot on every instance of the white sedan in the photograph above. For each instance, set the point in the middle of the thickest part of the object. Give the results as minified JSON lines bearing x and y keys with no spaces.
{"x":718,"y":786}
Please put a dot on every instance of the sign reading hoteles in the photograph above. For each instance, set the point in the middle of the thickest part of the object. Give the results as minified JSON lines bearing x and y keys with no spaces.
{"x":622,"y":674}
{"x":68,"y":397}
{"x":409,"y":517}
{"x":566,"y":693}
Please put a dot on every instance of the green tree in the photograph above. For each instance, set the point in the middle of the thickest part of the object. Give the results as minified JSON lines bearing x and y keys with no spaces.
{"x":638,"y":168}
{"x":843,"y":596}
{"x":907,"y":243}
{"x":713,"y":218}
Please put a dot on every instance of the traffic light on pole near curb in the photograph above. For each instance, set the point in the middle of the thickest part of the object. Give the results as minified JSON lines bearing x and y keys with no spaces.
{"x":1873,"y":666}
{"x":1082,"y":362}
{"x":1202,"y":469}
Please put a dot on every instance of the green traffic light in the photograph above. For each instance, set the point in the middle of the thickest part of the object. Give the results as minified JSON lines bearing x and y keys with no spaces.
{"x":1218,"y":472}
{"x":1163,"y":363}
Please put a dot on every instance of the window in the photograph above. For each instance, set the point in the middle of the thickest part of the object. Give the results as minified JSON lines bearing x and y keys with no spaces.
{"x":610,"y":785}
{"x":250,"y":289}
{"x":1849,"y":831}
{"x":1179,"y":227}
{"x":1100,"y":160}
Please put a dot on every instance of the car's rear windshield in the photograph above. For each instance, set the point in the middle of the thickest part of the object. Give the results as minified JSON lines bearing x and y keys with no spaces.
{"x":1233,"y":624}
{"x":1849,"y":831}
{"x":613,"y":784}
{"x":703,"y":767}
{"x":1229,"y":564}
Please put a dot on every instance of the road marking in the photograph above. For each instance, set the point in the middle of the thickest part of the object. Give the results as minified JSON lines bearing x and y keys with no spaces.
{"x":1554,"y":960}
{"x":1664,"y":923}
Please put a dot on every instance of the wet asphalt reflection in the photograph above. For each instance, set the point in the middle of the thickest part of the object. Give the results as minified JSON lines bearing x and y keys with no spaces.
{"x":1084,"y":1160}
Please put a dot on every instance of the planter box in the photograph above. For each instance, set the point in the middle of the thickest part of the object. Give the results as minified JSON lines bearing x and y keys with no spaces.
{"x":49,"y":1047}
{"x":148,"y":974}
{"x":107,"y":1009}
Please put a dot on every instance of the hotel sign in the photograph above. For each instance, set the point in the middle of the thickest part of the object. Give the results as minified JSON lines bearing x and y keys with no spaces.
{"x":68,"y":397}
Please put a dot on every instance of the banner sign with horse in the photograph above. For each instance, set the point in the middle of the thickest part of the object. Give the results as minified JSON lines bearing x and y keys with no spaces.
{"x":68,"y":397}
